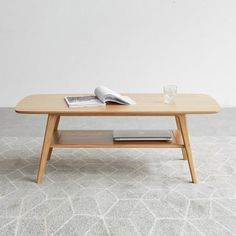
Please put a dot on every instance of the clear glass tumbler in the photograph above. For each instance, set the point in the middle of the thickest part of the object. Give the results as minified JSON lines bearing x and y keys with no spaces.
{"x":169,"y":92}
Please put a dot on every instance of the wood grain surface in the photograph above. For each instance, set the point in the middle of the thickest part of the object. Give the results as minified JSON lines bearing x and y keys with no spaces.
{"x":146,"y":105}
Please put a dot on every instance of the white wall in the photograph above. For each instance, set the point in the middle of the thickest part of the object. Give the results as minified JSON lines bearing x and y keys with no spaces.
{"x":55,"y":46}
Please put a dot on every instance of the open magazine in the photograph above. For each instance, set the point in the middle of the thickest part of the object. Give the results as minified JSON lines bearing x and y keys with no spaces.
{"x":102,"y":96}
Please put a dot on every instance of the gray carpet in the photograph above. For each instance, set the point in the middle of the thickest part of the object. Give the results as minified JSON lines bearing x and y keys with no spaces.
{"x":118,"y":192}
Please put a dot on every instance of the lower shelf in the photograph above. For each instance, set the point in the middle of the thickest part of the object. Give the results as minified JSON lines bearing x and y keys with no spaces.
{"x":103,"y":138}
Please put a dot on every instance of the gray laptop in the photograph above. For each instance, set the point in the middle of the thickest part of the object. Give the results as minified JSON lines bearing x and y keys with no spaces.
{"x":142,"y":135}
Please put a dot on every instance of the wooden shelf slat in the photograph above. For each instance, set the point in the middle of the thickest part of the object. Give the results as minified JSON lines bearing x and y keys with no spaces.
{"x":103,"y":138}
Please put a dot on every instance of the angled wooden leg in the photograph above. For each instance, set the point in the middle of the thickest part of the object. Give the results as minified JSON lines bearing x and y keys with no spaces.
{"x":51,"y":123}
{"x":55,"y":129}
{"x":49,"y":154}
{"x":187,"y":145}
{"x":179,"y":129}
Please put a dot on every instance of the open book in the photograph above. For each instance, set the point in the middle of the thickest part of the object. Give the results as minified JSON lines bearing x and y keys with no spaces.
{"x":102,"y":96}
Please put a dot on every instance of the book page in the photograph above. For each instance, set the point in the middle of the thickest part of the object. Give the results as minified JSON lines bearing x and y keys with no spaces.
{"x":101,"y":92}
{"x":84,"y":101}
{"x":107,"y":95}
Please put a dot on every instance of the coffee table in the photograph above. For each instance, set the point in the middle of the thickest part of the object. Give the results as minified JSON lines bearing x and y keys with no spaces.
{"x":54,"y":106}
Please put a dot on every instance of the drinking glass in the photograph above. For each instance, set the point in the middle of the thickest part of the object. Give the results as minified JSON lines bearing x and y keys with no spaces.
{"x":169,"y":92}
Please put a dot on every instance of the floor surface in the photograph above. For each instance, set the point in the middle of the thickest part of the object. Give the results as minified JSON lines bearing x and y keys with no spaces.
{"x":118,"y":191}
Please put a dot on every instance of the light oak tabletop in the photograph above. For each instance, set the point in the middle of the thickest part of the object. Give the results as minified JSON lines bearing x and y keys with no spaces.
{"x":146,"y":105}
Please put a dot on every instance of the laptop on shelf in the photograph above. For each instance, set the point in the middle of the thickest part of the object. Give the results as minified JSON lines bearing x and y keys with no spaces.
{"x":142,"y":135}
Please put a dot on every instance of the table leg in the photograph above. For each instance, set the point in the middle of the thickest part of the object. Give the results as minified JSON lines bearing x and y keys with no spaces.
{"x":55,"y":129}
{"x":179,"y":129}
{"x":51,"y":124}
{"x":185,"y":134}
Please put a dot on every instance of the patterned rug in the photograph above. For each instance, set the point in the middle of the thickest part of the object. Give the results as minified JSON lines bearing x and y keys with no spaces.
{"x":118,"y":191}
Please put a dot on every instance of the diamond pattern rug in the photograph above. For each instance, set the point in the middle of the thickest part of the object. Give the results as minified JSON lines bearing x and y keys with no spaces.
{"x":118,"y":191}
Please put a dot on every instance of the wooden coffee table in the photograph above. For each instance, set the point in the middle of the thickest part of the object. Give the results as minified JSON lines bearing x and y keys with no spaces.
{"x":54,"y":106}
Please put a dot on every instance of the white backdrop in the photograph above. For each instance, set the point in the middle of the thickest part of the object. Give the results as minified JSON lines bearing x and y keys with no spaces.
{"x":63,"y":46}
